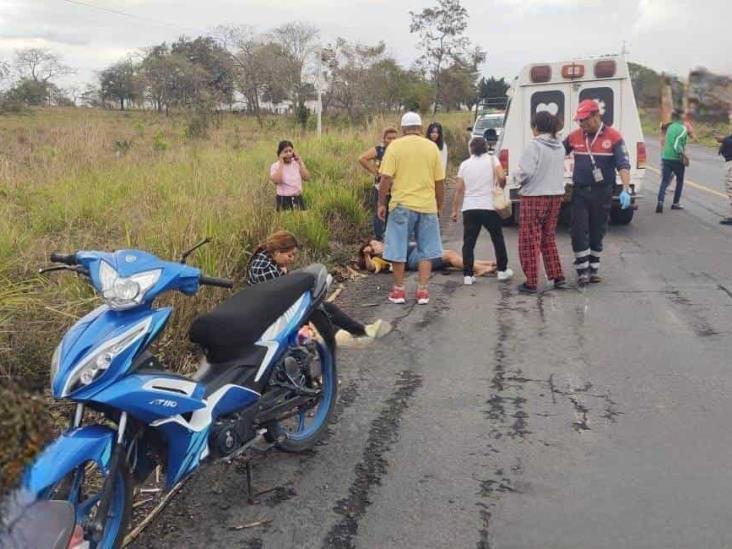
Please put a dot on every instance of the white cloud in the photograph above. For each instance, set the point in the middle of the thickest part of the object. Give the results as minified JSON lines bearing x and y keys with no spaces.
{"x":671,"y":35}
{"x":548,"y":3}
{"x":655,"y":15}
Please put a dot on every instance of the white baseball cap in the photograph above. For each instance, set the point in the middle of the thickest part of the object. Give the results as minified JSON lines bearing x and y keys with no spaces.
{"x":411,"y":119}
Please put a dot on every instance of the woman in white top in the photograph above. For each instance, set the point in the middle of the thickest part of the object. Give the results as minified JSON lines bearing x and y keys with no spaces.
{"x":434,"y":134}
{"x":477,"y":177}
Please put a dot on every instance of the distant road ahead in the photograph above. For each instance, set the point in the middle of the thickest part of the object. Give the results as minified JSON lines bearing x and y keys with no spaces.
{"x":704,"y":177}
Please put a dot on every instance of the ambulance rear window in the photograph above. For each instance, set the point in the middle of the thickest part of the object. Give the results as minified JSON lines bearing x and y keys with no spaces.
{"x":551,"y":101}
{"x":604,"y":96}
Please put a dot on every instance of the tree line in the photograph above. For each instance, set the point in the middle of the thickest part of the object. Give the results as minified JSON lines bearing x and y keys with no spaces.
{"x":240,"y":68}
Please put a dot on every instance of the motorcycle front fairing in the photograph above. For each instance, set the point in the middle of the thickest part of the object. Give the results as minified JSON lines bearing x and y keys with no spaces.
{"x":100,"y":348}
{"x":107,"y":342}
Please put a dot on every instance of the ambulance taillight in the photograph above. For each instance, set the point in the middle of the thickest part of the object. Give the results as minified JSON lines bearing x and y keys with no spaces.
{"x":503,"y":159}
{"x":641,"y":158}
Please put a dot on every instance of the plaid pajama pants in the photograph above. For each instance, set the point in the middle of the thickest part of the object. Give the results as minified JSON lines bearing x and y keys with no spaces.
{"x":537,"y":234}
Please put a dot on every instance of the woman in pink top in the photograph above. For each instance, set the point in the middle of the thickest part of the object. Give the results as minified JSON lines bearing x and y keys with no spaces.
{"x":287,"y":174}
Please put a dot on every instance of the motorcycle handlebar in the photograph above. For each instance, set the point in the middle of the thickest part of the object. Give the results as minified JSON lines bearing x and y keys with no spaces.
{"x":213,"y":281}
{"x":68,"y":259}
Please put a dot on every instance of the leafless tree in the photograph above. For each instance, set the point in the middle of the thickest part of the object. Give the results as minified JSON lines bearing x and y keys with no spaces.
{"x":262,"y":66}
{"x":299,"y":42}
{"x":40,"y":65}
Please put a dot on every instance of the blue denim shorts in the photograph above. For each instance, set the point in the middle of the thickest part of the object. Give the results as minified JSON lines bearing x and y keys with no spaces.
{"x":403,"y":224}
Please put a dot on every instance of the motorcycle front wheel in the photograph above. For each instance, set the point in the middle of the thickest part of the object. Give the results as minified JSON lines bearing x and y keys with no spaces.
{"x":83,"y":487}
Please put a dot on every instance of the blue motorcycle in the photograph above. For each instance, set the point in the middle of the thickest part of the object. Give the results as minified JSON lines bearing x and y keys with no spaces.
{"x":265,"y":372}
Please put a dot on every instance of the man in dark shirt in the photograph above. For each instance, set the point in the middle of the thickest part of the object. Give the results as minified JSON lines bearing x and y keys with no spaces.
{"x":725,"y":150}
{"x":599,"y":151}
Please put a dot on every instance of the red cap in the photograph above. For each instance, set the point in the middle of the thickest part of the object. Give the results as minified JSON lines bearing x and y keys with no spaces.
{"x":585,"y":109}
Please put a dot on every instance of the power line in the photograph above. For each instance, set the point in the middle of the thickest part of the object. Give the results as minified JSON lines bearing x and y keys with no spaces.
{"x":132,"y":15}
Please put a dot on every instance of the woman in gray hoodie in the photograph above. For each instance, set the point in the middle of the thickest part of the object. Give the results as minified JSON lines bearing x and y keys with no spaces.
{"x":541,"y":175}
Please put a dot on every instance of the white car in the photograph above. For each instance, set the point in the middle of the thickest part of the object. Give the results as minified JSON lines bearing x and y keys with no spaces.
{"x":484,"y":122}
{"x":559,"y":88}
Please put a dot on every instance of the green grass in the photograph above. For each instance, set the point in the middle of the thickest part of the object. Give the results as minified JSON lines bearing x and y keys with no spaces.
{"x":87,"y":179}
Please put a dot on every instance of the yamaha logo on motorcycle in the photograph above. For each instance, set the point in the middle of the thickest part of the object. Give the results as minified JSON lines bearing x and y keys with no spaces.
{"x":264,"y":372}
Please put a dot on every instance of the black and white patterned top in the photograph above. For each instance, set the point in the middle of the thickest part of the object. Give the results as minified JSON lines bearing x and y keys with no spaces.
{"x":262,"y":268}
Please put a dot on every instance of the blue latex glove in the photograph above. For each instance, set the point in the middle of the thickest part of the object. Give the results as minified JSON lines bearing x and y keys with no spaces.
{"x":624,"y":200}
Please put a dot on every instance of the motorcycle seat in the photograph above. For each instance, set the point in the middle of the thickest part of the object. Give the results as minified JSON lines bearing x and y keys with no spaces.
{"x":231,"y":328}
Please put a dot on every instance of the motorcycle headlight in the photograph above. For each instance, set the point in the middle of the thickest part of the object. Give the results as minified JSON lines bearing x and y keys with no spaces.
{"x":94,"y":364}
{"x":124,"y":293}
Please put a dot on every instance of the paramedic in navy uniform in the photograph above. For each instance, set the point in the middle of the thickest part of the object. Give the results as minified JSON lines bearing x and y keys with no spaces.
{"x":598,"y":150}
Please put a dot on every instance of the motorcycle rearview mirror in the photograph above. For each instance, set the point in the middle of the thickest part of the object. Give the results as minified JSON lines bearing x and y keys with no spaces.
{"x":189,"y":252}
{"x":54,"y":268}
{"x":78,"y":269}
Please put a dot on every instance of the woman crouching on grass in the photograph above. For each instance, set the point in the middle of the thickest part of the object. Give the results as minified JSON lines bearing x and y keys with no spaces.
{"x":273,"y":259}
{"x":370,"y":259}
{"x":287,"y":174}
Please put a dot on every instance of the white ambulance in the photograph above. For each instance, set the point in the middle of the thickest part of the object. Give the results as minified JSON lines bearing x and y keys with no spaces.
{"x":559,"y":88}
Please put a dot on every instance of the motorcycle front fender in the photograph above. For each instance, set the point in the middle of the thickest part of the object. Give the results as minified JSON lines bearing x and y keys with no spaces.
{"x":71,"y":449}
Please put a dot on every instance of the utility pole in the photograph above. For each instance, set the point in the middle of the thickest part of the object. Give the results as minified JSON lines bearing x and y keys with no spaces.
{"x":319,"y":88}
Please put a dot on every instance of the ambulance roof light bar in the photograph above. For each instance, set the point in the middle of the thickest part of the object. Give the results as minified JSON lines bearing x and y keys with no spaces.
{"x":541,"y":73}
{"x":572,"y":71}
{"x":605,"y":68}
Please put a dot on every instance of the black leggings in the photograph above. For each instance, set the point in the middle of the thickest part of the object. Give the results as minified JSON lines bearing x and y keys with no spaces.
{"x":290,"y":203}
{"x":343,"y":321}
{"x":473,"y":221}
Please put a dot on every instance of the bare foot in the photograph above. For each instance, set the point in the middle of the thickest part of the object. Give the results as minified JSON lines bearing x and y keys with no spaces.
{"x":484,"y":271}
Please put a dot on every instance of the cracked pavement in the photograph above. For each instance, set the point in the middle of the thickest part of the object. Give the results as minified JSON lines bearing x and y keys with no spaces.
{"x":488,"y":419}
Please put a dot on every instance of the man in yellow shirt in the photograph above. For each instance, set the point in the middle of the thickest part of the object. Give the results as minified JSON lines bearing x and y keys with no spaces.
{"x":414,"y":175}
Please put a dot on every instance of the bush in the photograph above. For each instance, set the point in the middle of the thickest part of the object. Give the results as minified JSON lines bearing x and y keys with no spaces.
{"x":341,"y":206}
{"x":159,"y":142}
{"x":25,"y":427}
{"x":302,"y":114}
{"x":310,"y":231}
{"x":122,"y":146}
{"x":198,"y":124}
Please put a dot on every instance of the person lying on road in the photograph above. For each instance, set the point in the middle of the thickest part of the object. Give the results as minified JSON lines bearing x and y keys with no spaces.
{"x":371,"y":259}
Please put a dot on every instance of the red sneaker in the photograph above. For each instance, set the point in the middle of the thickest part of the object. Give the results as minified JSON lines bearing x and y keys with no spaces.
{"x":423,"y":296}
{"x":397,"y":295}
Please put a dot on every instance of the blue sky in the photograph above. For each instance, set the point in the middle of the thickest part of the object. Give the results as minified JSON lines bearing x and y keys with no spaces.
{"x":670,"y":35}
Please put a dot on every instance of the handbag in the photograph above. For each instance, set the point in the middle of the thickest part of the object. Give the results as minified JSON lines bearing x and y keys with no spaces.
{"x":501,"y":202}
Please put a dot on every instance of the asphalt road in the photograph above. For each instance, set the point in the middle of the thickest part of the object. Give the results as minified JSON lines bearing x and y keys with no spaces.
{"x":704,"y":177}
{"x":594,"y":418}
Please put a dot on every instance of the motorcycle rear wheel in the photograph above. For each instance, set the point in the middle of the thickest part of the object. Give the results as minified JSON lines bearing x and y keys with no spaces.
{"x":303,"y":435}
